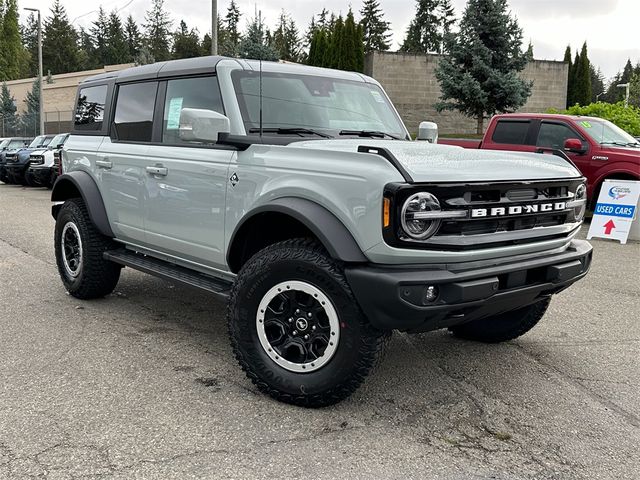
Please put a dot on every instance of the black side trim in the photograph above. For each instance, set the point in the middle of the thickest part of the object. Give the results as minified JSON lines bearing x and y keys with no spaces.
{"x":558,"y":153}
{"x":390,"y":157}
{"x":65,"y":188}
{"x":242,"y":142}
{"x":169,"y":271}
{"x":333,"y":235}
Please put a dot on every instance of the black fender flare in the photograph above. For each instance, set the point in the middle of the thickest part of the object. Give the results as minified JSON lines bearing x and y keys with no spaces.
{"x":331,"y":232}
{"x":65,"y":188}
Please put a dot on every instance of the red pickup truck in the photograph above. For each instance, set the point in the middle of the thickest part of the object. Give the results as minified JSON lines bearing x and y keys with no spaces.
{"x":599,"y":149}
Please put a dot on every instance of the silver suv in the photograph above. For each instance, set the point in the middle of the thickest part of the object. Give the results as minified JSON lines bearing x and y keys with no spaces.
{"x":296,"y":193}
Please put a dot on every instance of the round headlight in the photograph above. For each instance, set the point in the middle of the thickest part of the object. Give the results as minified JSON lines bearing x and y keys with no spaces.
{"x":415,"y":219}
{"x":581,"y":195}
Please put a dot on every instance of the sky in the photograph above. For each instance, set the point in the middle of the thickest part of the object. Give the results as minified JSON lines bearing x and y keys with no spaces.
{"x":609,"y":26}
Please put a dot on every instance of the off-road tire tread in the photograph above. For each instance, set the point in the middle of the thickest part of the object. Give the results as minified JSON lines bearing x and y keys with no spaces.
{"x":485,"y":330}
{"x":99,"y":276}
{"x":374,"y":341}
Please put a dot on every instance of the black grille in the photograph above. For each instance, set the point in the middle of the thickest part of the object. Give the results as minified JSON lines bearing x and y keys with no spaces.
{"x":494,"y":227}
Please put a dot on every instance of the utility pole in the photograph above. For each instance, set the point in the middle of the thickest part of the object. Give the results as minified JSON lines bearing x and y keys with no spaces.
{"x":41,"y":111}
{"x":626,"y":97}
{"x":214,"y":27}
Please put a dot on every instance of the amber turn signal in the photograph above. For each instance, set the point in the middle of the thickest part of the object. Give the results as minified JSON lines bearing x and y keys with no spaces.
{"x":386,"y":208}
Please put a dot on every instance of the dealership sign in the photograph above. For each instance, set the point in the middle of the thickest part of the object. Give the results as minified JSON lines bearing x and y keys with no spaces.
{"x":616,"y":210}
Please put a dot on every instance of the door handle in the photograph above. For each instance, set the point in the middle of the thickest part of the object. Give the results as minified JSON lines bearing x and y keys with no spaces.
{"x":160,"y":171}
{"x":104,"y":164}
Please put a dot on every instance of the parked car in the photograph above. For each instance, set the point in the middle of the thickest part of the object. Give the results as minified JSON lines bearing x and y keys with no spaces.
{"x":43,"y":170}
{"x":17,"y":162}
{"x":600,"y":149}
{"x":10,"y":146}
{"x":296,"y":194}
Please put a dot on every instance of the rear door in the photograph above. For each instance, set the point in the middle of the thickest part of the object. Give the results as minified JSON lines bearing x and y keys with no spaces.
{"x":517,"y":134}
{"x":185,"y":185}
{"x":122,"y":159}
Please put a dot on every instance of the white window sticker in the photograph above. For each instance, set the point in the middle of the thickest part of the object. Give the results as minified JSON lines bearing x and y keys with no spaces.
{"x":173,"y":117}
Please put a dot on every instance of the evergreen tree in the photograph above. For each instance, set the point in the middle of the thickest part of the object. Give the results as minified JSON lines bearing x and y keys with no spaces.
{"x":426,"y":32}
{"x":582,"y":94}
{"x":8,"y":118}
{"x":597,"y":83}
{"x":144,"y":56}
{"x":479,"y":77}
{"x":117,"y":45}
{"x":570,"y":79}
{"x":30,"y":120}
{"x":186,"y":43}
{"x":614,"y":93}
{"x":99,"y":32}
{"x":30,"y":43}
{"x":134,"y":42}
{"x":359,"y":48}
{"x":376,"y":31}
{"x":205,"y":45}
{"x":286,"y":39}
{"x":348,"y":52}
{"x":13,"y":58}
{"x":231,"y":45}
{"x":86,"y":53}
{"x":59,"y":47}
{"x":634,"y":87}
{"x":157,"y":33}
{"x":253,"y":44}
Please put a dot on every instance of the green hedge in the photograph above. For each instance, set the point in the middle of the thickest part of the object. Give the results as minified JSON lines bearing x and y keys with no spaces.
{"x":627,"y":118}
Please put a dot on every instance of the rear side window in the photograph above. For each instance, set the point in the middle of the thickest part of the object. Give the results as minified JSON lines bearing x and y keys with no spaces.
{"x":511,"y":132}
{"x":198,"y":92}
{"x":90,"y":108}
{"x":133,"y":120}
{"x":554,"y":134}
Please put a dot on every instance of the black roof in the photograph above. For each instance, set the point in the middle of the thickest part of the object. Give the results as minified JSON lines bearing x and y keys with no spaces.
{"x":161,"y":69}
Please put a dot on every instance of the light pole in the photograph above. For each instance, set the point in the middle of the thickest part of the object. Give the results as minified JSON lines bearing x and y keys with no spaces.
{"x":626,"y":97}
{"x":214,"y":27}
{"x":41,"y":106}
{"x":599,"y":95}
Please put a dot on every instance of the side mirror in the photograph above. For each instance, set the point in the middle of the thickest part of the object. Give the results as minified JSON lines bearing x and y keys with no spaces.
{"x":199,"y":125}
{"x":575,"y":145}
{"x":428,"y":132}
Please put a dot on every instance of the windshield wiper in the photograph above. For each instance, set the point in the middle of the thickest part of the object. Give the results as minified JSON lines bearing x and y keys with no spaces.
{"x":622,"y":144}
{"x":287,"y":131}
{"x":368,"y":133}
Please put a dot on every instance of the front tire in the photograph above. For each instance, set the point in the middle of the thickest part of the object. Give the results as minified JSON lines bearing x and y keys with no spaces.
{"x":503,"y":327}
{"x":79,"y":247}
{"x":296,"y":328}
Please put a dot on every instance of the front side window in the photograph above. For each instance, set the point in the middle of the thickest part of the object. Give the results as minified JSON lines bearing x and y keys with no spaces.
{"x":197,"y":92}
{"x":553,"y":135}
{"x":133,"y":120}
{"x":90,"y":109}
{"x":326,"y":104}
{"x":58,"y":140}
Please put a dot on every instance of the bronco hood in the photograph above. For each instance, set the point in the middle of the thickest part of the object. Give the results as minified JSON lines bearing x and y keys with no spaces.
{"x":426,"y":162}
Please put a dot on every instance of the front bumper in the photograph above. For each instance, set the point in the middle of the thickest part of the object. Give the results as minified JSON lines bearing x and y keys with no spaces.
{"x":393,"y":297}
{"x":41,"y":175}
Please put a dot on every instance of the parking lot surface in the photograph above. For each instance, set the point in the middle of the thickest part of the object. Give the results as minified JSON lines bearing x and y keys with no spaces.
{"x":142,"y":384}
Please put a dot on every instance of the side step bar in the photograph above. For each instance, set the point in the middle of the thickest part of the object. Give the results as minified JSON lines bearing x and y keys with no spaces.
{"x":169,"y":271}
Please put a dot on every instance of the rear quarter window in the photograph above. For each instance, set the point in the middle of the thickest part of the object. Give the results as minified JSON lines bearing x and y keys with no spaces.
{"x":513,"y":132}
{"x":90,"y":108}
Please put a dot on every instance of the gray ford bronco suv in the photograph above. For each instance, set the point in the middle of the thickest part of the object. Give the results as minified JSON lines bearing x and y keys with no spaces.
{"x":297,"y":194}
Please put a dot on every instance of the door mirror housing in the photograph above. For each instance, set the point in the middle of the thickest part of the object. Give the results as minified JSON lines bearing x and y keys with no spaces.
{"x":200,"y":125}
{"x":575,"y":145}
{"x":428,"y":132}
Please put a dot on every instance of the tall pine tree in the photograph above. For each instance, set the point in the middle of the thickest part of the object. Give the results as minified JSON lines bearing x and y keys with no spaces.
{"x":376,"y":32}
{"x":99,"y":32}
{"x":117,"y":46}
{"x":30,"y":42}
{"x":231,"y":45}
{"x":8,"y":109}
{"x":479,"y":77}
{"x":134,"y":42}
{"x":427,"y":30}
{"x":286,"y":39}
{"x":570,"y":79}
{"x":186,"y":43}
{"x":254,"y":43}
{"x":13,"y":58}
{"x":59,"y":46}
{"x":582,"y":78}
{"x":157,"y":31}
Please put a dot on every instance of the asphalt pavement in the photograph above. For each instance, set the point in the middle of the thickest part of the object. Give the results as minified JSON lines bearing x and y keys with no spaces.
{"x":142,"y":384}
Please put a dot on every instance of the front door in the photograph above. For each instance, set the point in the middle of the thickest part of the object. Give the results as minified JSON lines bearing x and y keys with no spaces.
{"x":185,"y":182}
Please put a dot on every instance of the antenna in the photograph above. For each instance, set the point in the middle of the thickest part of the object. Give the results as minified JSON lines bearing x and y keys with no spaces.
{"x":260,"y":26}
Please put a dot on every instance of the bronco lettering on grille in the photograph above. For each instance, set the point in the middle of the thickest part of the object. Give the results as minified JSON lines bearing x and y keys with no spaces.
{"x":517,"y":209}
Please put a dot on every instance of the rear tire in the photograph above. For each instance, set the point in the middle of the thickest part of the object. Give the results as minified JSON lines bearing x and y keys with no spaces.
{"x":296,"y":328}
{"x":79,"y":247}
{"x":503,"y":327}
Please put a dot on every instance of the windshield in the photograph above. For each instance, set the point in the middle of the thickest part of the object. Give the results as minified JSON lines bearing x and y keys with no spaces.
{"x":605,"y":132}
{"x":4,"y":143}
{"x":58,"y":140}
{"x":36,"y":142}
{"x":13,"y":144}
{"x":323,"y":104}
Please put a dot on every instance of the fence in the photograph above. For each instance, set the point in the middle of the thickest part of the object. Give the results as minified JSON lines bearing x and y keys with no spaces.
{"x":59,"y":121}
